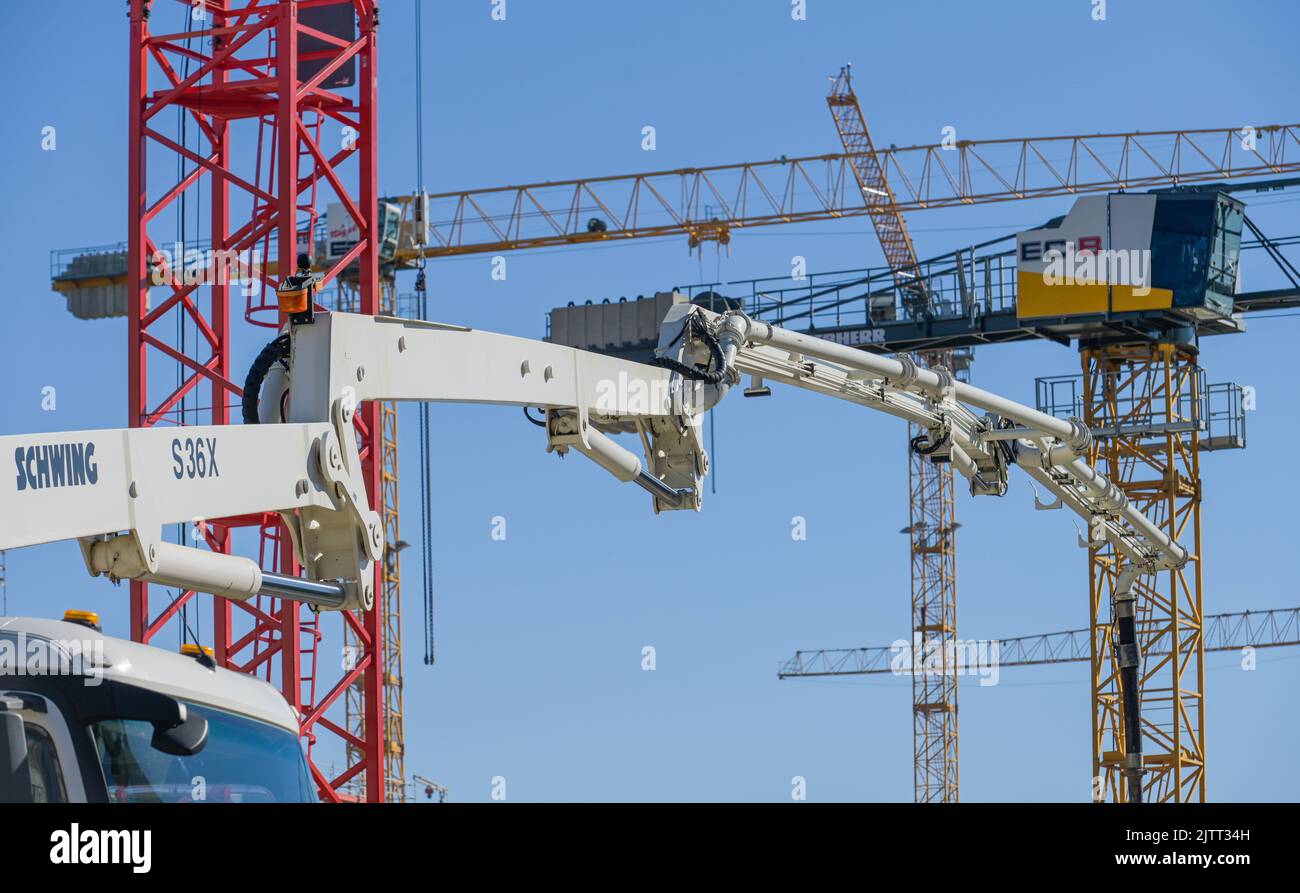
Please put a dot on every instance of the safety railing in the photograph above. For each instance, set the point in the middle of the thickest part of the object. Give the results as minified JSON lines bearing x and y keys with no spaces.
{"x":1215,"y":412}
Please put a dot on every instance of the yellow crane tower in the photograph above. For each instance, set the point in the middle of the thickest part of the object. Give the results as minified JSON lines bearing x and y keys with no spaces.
{"x":1141,"y":399}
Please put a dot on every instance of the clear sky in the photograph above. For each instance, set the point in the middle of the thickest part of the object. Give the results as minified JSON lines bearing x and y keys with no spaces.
{"x":540,"y":636}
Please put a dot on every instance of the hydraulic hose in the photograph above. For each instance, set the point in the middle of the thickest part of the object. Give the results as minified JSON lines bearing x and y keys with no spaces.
{"x":921,"y":444}
{"x":716,"y":375}
{"x":277,"y":351}
{"x":1128,"y":655}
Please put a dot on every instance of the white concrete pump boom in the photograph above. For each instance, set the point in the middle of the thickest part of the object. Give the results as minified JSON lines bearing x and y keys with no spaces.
{"x":115,"y":490}
{"x":980,"y":447}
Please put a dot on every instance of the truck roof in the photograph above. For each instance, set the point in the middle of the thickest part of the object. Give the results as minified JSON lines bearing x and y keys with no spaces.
{"x":173,"y":674}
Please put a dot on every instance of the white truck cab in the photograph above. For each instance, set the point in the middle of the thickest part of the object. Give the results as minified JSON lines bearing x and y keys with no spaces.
{"x":86,"y":717}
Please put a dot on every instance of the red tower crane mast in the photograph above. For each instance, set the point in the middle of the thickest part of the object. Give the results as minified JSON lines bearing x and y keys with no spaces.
{"x":265,"y":77}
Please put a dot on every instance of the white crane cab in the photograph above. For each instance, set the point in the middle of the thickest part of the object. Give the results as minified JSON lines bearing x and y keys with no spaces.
{"x":86,"y":717}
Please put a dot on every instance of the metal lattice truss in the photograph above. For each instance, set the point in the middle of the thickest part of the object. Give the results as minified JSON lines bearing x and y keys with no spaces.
{"x":932,"y":538}
{"x":706,"y":202}
{"x":1232,"y":631}
{"x":873,"y":186}
{"x":1147,"y":393}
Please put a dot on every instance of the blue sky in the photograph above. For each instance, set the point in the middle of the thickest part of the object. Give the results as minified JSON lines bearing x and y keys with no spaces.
{"x":540,"y":637}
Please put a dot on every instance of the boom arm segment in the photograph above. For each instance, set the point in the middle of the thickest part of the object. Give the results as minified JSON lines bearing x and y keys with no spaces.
{"x":87,"y":484}
{"x":114,"y":490}
{"x":350,"y":358}
{"x":980,"y":447}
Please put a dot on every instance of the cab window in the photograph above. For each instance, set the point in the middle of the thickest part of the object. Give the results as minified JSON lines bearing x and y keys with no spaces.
{"x":43,"y":764}
{"x":243,"y":761}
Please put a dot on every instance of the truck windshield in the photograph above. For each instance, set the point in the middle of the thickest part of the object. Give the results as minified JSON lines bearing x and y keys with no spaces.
{"x":244,"y":761}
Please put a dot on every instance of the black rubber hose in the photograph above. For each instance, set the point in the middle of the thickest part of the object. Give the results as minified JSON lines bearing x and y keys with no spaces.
{"x":715,"y":349}
{"x":1129,"y":660}
{"x":714,"y":376}
{"x":923,"y":448}
{"x":1010,"y":448}
{"x":276,"y":351}
{"x":687,"y":372}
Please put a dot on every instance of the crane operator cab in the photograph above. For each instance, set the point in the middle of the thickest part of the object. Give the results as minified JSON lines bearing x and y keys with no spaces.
{"x":86,"y":717}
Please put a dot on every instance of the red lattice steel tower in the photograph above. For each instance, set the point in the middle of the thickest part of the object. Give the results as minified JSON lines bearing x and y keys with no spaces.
{"x":257,"y":84}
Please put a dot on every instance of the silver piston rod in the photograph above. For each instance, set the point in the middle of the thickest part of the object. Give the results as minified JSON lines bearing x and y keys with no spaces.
{"x":330,"y":596}
{"x":626,"y":466}
{"x":229,"y":576}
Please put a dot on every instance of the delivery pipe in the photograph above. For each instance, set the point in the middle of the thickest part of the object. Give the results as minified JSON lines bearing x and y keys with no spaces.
{"x":1174,"y":554}
{"x":1112,"y":498}
{"x":907,"y":375}
{"x":903,"y":373}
